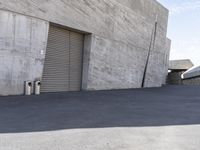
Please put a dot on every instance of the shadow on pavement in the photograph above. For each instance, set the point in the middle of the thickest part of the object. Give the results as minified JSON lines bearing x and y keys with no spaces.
{"x":171,"y":105}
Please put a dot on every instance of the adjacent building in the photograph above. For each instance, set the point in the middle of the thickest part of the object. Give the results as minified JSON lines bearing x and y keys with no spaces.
{"x":82,"y":45}
{"x":176,"y":69}
{"x":192,"y":76}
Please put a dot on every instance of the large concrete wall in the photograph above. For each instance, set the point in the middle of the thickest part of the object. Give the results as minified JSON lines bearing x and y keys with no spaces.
{"x":166,"y":60}
{"x":22,"y":51}
{"x":121,"y":34}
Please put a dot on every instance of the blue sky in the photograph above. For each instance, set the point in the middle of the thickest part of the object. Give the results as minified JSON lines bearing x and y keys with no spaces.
{"x":184,"y":29}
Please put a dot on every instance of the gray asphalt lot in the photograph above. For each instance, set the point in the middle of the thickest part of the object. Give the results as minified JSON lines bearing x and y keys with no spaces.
{"x":137,"y":119}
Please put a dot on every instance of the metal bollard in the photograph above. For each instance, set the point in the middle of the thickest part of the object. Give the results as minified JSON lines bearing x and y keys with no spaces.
{"x":28,"y":87}
{"x":37,"y":87}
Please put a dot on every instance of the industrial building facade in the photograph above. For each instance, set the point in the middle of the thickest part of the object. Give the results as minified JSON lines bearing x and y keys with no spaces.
{"x":82,"y":45}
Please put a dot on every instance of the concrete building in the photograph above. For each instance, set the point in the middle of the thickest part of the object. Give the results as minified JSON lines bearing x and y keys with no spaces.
{"x":177,"y":68}
{"x":82,"y":45}
{"x":192,"y":76}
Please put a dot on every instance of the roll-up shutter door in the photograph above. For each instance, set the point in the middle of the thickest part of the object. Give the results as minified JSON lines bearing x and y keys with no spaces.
{"x":63,"y":62}
{"x":76,"y":44}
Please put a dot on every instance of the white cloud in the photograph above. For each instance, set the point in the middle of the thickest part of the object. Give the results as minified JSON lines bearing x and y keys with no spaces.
{"x":184,"y":7}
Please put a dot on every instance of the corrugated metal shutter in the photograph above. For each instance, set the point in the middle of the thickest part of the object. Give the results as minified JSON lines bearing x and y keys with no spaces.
{"x":63,"y":62}
{"x":76,"y":45}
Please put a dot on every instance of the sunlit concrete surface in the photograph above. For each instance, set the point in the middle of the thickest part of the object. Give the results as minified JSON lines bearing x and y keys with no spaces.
{"x":165,"y":118}
{"x":124,"y":138}
{"x":118,"y":37}
{"x":183,"y":64}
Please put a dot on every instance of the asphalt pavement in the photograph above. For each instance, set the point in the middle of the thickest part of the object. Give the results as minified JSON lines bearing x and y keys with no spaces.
{"x":166,"y":118}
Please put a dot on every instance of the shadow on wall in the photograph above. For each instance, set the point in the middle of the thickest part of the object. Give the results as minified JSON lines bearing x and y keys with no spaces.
{"x":171,"y":105}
